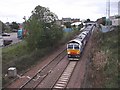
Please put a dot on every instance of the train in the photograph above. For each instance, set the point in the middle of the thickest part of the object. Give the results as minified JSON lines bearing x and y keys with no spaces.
{"x":76,"y":46}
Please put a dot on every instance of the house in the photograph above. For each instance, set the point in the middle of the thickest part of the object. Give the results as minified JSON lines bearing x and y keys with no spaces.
{"x":75,"y":20}
{"x":59,"y":22}
{"x":65,"y":20}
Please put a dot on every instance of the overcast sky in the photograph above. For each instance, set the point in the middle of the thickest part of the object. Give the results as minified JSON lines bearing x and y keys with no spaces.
{"x":15,"y":10}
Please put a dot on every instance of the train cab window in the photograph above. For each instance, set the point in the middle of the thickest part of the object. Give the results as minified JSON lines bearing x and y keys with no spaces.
{"x":83,"y":33}
{"x":80,"y":37}
{"x":76,"y":46}
{"x":70,"y":46}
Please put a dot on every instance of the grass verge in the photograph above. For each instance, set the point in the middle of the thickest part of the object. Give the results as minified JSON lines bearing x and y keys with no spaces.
{"x":103,"y":69}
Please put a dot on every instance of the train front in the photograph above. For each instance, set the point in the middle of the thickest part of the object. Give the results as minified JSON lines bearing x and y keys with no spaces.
{"x":73,"y":50}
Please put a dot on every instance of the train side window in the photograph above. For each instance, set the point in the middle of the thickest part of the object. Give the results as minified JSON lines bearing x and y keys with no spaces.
{"x":70,"y":46}
{"x":76,"y":46}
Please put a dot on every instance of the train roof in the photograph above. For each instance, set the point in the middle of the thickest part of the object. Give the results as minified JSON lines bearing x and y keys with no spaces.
{"x":84,"y":32}
{"x":81,"y":37}
{"x":88,"y":28}
{"x":78,"y":40}
{"x":75,"y":41}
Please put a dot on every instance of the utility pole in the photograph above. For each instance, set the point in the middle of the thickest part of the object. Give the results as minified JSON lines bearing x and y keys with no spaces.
{"x":119,"y":8}
{"x":109,"y":9}
{"x":109,"y":14}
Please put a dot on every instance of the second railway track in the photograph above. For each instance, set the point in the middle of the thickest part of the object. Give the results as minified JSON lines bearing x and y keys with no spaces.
{"x":43,"y":72}
{"x":64,"y":78}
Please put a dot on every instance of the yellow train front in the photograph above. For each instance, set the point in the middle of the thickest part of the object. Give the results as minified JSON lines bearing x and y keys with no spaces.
{"x":76,"y":46}
{"x":74,"y":49}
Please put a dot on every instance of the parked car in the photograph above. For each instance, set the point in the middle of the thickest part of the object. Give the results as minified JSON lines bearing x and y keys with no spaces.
{"x":7,"y":42}
{"x":14,"y":30}
{"x":5,"y":34}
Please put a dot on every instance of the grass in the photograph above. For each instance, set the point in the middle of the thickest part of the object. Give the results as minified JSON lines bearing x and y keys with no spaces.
{"x":103,"y":70}
{"x":108,"y":43}
{"x":14,"y":51}
{"x":0,"y":68}
{"x":18,"y":56}
{"x":110,"y":46}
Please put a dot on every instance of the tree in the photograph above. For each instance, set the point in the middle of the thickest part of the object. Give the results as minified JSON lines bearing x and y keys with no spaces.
{"x":43,"y":14}
{"x":88,"y":20}
{"x":5,"y":28}
{"x":35,"y":30}
{"x":56,"y":34}
{"x":103,"y":20}
{"x":14,"y":25}
{"x":42,"y":29}
{"x":67,"y":24}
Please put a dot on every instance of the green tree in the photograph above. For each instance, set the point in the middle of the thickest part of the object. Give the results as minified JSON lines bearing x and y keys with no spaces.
{"x":68,"y":24}
{"x":43,"y":14}
{"x":56,"y":34}
{"x":14,"y":25}
{"x":35,"y":33}
{"x":5,"y":28}
{"x":103,"y":20}
{"x":42,"y":29}
{"x":88,"y":20}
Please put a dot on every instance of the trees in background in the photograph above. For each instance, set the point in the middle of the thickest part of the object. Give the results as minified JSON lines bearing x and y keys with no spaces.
{"x":42,"y":28}
{"x":68,"y":24}
{"x":14,"y":25}
{"x":5,"y":28}
{"x":43,"y":14}
{"x":86,"y":21}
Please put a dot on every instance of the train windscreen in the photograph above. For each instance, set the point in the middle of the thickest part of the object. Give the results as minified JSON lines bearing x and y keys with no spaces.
{"x":76,"y":46}
{"x":70,"y":46}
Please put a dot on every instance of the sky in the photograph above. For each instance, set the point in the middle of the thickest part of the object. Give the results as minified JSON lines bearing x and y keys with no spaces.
{"x":15,"y":10}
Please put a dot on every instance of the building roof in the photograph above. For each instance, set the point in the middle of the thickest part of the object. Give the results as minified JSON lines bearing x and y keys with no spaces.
{"x":76,"y":23}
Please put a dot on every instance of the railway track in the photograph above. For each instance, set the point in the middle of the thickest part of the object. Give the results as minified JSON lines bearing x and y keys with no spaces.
{"x":43,"y":77}
{"x":60,"y":75}
{"x":43,"y":72}
{"x":55,"y":75}
{"x":64,"y":78}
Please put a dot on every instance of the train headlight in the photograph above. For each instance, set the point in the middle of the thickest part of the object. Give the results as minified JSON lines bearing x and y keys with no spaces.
{"x":78,"y":52}
{"x":68,"y":52}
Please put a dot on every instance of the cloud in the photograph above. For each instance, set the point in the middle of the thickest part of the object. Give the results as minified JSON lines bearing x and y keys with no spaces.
{"x":15,"y":10}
